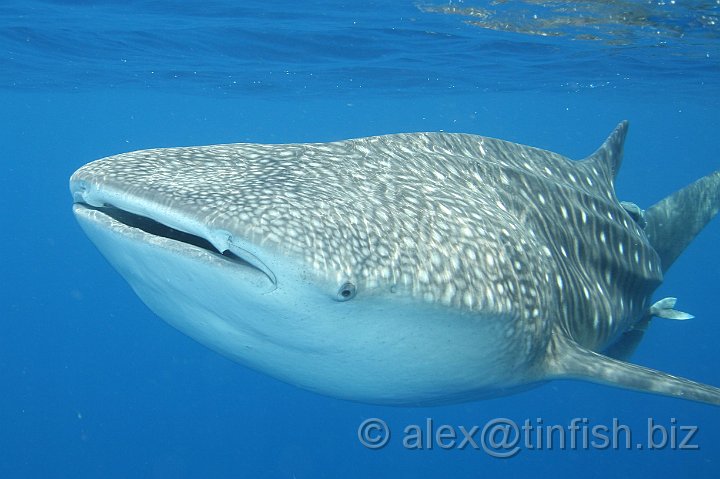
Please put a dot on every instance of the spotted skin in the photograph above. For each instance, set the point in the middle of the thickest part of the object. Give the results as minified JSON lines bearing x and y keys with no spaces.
{"x":473,"y":225}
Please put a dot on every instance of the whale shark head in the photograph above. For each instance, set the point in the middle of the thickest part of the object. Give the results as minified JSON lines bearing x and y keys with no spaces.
{"x":402,"y":269}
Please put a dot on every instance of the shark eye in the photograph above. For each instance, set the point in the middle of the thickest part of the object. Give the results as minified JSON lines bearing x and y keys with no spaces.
{"x":346,"y":292}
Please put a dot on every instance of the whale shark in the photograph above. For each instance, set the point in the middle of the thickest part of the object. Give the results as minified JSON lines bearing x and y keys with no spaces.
{"x":404,"y":269}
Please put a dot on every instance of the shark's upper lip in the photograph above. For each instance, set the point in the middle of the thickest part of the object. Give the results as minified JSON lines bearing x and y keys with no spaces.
{"x":161,"y":221}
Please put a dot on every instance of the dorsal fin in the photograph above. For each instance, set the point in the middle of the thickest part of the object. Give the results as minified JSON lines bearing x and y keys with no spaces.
{"x":609,"y":156}
{"x":674,"y":222}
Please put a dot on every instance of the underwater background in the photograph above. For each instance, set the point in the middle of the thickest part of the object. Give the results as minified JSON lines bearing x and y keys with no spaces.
{"x":92,"y":384}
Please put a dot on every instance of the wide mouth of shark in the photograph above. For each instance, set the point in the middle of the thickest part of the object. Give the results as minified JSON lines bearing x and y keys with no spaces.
{"x":157,"y":229}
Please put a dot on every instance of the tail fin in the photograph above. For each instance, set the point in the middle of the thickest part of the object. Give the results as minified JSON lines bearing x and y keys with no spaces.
{"x":674,"y":222}
{"x":571,"y":361}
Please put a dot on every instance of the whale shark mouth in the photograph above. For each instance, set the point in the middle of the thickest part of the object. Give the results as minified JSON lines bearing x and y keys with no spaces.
{"x":157,"y":229}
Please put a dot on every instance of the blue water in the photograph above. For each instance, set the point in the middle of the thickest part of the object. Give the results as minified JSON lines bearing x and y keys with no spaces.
{"x":94,"y":385}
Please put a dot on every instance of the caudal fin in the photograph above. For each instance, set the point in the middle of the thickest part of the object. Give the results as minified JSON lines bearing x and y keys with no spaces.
{"x":674,"y":222}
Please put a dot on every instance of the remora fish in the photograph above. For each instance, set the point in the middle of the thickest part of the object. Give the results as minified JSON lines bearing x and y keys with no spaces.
{"x":414,"y":269}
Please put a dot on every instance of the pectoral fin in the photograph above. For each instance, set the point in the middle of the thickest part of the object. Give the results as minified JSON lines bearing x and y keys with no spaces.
{"x":571,"y":361}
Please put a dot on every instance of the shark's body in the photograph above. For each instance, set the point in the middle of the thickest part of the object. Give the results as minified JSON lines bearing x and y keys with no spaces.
{"x":417,"y":269}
